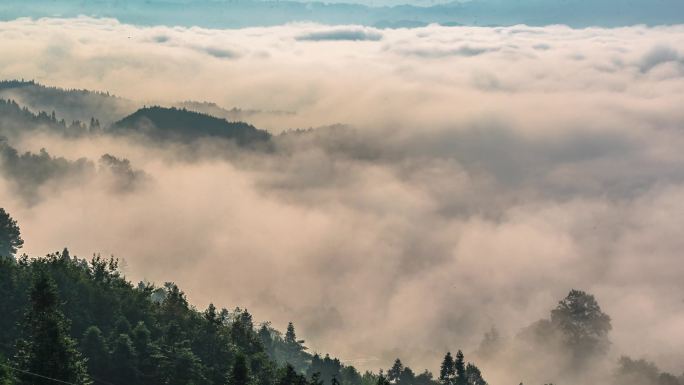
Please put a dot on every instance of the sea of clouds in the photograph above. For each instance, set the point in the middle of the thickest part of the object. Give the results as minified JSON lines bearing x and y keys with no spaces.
{"x":461,"y":177}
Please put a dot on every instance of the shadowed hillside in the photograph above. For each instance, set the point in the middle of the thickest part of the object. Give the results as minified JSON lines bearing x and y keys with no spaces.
{"x":160,"y":123}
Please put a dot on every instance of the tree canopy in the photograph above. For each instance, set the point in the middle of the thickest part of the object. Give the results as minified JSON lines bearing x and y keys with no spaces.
{"x":10,"y":235}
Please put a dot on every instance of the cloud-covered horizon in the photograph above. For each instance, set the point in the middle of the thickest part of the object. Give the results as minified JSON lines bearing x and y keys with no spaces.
{"x":482,"y":173}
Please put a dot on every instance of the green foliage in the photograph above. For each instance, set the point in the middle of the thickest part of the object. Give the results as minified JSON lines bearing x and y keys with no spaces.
{"x":124,"y":368}
{"x":290,"y":350}
{"x":174,"y":124}
{"x":6,"y":375}
{"x":94,"y":348}
{"x":473,"y":375}
{"x":459,"y":367}
{"x":447,"y":371}
{"x":147,"y":335}
{"x":584,"y":326}
{"x":239,"y":375}
{"x":394,"y":373}
{"x":45,"y":348}
{"x":288,"y":376}
{"x":10,"y":236}
{"x":382,"y":380}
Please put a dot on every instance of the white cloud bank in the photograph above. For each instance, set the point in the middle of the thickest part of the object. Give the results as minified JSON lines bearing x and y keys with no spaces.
{"x":491,"y":170}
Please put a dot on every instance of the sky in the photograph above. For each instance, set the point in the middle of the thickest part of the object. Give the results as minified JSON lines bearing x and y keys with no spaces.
{"x":460,"y":177}
{"x":375,"y":13}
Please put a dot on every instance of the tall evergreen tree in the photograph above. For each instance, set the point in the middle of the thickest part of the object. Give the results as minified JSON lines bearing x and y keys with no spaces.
{"x":447,"y":370}
{"x":124,"y":361}
{"x":266,"y":339}
{"x":45,"y":348}
{"x":459,"y":366}
{"x":10,"y":236}
{"x":290,"y":336}
{"x":94,"y":348}
{"x":147,"y":352}
{"x":394,"y":373}
{"x":239,"y":374}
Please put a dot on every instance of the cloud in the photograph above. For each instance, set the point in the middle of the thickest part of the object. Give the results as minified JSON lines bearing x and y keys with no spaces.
{"x":464,"y":50}
{"x":221,"y":53}
{"x":462,"y":190}
{"x":338,"y":34}
{"x":657,"y":56}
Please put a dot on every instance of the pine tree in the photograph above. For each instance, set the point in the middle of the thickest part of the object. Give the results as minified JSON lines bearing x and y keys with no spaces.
{"x":147,"y":352}
{"x":290,"y":377}
{"x":290,"y":336}
{"x":124,"y":361}
{"x":45,"y":348}
{"x":394,"y":373}
{"x":266,"y":339}
{"x":407,"y":376}
{"x":94,"y":348}
{"x":239,"y":374}
{"x":382,"y":380}
{"x":10,"y":236}
{"x":122,"y":326}
{"x":459,"y":366}
{"x":447,"y":371}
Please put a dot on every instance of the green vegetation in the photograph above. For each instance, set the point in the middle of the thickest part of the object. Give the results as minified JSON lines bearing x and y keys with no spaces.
{"x":82,"y":322}
{"x":160,"y":123}
{"x":73,"y":321}
{"x":10,"y":235}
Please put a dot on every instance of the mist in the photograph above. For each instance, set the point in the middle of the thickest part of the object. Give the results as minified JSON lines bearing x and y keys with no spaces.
{"x":454,"y":179}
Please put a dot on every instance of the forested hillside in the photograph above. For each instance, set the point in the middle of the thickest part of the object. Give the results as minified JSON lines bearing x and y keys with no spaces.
{"x":72,"y":104}
{"x":77,"y":321}
{"x":159,"y":123}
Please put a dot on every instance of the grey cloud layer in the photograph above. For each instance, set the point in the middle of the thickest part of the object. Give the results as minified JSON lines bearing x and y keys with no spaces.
{"x":487,"y":172}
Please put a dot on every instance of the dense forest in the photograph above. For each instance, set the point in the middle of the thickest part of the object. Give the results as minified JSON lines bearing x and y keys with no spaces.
{"x":77,"y":321}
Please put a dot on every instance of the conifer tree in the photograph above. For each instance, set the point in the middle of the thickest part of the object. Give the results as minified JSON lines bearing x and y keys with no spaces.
{"x":239,"y":374}
{"x":447,"y":371}
{"x":147,"y":352}
{"x":394,"y":373}
{"x":382,"y":380}
{"x":290,"y":377}
{"x":45,"y":348}
{"x":459,"y":366}
{"x":94,"y":348}
{"x":290,"y":336}
{"x":124,"y":361}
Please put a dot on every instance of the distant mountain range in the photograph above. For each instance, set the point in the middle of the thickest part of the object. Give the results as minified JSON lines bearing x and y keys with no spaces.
{"x":244,"y":13}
